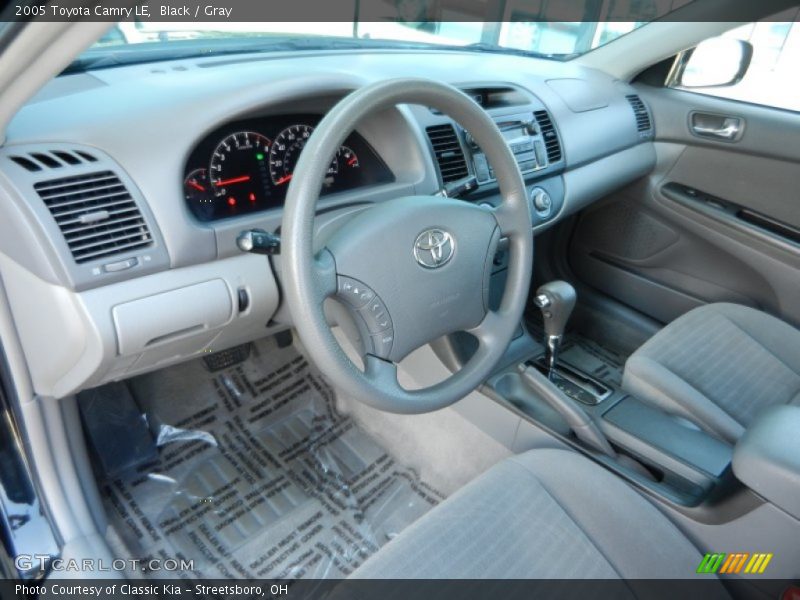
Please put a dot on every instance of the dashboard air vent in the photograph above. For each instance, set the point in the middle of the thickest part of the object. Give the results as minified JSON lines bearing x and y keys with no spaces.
{"x":640,"y":112}
{"x":448,"y":151}
{"x":96,"y":214}
{"x":38,"y":161}
{"x":549,"y":134}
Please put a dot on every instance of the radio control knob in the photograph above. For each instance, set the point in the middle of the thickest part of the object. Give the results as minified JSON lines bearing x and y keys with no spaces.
{"x":541,"y":201}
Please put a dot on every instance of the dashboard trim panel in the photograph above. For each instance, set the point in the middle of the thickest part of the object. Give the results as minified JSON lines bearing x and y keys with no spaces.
{"x":123,"y":114}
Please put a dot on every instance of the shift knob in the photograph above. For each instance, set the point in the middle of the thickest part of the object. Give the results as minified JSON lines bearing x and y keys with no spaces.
{"x":556,"y":300}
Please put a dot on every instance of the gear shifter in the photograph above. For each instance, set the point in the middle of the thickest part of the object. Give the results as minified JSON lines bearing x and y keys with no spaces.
{"x":556,"y":300}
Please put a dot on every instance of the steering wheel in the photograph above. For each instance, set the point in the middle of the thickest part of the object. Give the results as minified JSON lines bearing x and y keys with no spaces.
{"x":410,"y":269}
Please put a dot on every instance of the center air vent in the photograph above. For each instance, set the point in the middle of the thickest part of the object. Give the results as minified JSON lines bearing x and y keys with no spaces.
{"x":640,"y":112}
{"x":448,"y":151}
{"x":549,"y":134}
{"x":96,"y":214}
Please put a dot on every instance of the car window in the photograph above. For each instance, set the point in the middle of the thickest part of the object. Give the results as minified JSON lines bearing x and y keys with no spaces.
{"x":533,"y":27}
{"x":773,"y":78}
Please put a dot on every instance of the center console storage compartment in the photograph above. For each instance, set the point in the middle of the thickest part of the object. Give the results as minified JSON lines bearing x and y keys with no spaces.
{"x":660,"y":438}
{"x":688,"y":463}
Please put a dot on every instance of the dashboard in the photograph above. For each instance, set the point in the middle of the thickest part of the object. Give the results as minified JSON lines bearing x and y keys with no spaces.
{"x":124,"y":190}
{"x":246,"y":166}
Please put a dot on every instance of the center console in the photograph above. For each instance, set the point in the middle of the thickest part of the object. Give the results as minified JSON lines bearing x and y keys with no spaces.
{"x":669,"y":456}
{"x":675,"y":461}
{"x":526,"y":138}
{"x":533,"y":140}
{"x":531,"y":135}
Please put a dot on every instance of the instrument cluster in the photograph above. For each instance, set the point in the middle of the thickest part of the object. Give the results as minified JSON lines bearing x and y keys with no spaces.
{"x":246,"y":166}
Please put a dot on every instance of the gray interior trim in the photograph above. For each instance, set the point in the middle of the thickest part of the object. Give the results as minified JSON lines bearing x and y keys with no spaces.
{"x":593,"y":181}
{"x":767,"y":457}
{"x":31,"y":230}
{"x":89,"y":110}
{"x":658,"y":429}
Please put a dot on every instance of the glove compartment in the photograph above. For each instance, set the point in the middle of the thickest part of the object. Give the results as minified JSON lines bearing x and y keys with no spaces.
{"x":191,"y":311}
{"x":77,"y":340}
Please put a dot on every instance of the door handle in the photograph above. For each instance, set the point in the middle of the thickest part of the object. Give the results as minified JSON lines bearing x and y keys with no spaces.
{"x":727,"y":133}
{"x":716,"y":126}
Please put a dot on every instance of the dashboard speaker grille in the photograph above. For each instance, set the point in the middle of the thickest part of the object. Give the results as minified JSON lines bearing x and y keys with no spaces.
{"x":448,"y":151}
{"x":640,"y":112}
{"x":552,"y":145}
{"x":96,"y":214}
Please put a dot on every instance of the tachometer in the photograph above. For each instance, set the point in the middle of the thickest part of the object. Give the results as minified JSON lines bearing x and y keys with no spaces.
{"x":286,"y":150}
{"x":239,"y":170}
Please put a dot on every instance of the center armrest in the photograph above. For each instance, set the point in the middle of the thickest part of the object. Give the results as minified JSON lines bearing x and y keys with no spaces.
{"x":767,"y":457}
{"x":665,"y":439}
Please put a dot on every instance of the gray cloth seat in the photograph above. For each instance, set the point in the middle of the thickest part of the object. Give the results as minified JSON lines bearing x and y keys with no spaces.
{"x":718,"y":366}
{"x":545,"y":514}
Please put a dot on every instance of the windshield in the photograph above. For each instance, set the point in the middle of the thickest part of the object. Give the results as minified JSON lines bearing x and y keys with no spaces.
{"x":528,"y":27}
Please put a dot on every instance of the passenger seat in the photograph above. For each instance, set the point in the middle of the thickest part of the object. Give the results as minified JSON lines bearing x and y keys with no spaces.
{"x":718,"y":366}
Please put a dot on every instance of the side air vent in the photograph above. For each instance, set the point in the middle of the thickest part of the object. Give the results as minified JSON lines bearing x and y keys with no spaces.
{"x":55,"y":159}
{"x":640,"y":112}
{"x":448,"y":151}
{"x":549,"y":134}
{"x":96,"y":214}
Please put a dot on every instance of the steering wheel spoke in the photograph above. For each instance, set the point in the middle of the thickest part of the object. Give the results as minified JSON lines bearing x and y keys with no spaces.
{"x":325,"y":275}
{"x":507,"y":219}
{"x":486,"y":330}
{"x":382,"y":374}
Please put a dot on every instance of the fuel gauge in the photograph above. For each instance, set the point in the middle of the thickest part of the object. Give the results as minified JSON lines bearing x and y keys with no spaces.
{"x":348,"y":158}
{"x":349,"y":167}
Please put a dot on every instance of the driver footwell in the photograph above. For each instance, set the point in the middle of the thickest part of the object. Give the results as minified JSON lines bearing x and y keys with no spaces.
{"x":256,"y":474}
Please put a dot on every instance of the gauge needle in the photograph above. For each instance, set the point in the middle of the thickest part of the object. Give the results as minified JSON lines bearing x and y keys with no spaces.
{"x":352,"y":161}
{"x":232,"y":180}
{"x":284,"y":179}
{"x":196,"y":186}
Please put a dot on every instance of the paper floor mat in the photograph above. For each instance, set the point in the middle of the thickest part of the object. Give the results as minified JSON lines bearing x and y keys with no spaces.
{"x":258,"y":475}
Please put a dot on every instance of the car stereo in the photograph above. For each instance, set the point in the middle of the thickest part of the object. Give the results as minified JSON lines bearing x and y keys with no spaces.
{"x":525,"y":139}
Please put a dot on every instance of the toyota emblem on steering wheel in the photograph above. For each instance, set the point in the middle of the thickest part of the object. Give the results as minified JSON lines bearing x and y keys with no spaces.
{"x":434,"y":248}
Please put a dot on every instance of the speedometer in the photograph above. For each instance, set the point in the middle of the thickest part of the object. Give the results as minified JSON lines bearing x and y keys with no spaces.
{"x":239,"y":172}
{"x":286,"y":150}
